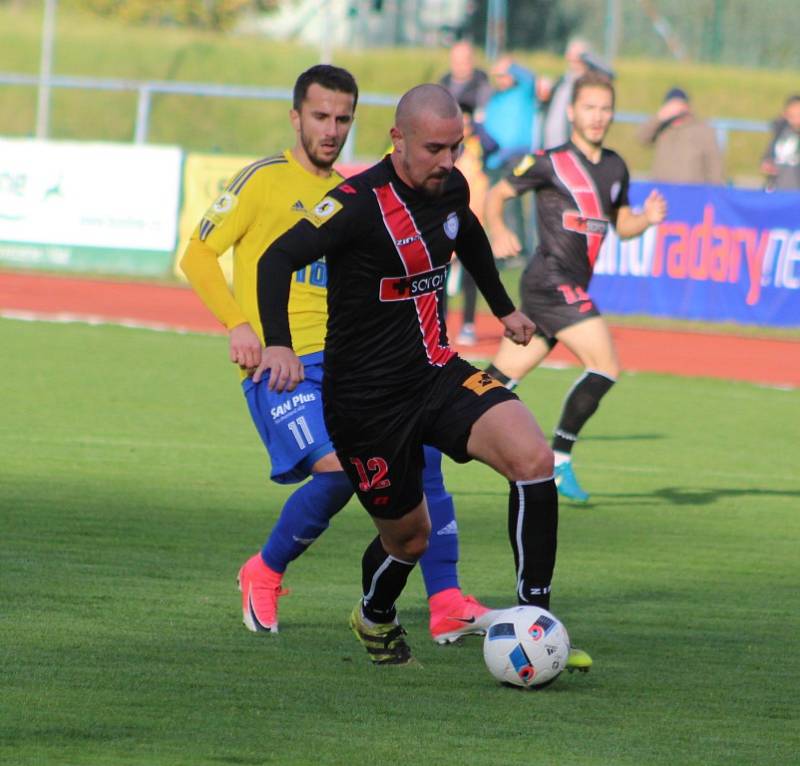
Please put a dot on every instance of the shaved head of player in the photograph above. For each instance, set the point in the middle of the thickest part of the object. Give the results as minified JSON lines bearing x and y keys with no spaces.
{"x":427,"y":135}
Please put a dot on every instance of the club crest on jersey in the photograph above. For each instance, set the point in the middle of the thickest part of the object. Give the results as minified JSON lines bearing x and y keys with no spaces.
{"x":324,"y":211}
{"x":528,"y":161}
{"x":221,"y":206}
{"x":451,"y":226}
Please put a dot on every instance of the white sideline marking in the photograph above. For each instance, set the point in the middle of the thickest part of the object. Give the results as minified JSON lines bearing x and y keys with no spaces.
{"x":95,"y":320}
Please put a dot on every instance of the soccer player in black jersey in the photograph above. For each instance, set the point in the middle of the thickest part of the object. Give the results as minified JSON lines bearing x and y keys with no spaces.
{"x":581,"y":188}
{"x":391,"y":382}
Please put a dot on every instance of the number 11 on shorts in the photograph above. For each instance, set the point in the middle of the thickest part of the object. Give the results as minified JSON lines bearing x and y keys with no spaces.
{"x":301,"y":432}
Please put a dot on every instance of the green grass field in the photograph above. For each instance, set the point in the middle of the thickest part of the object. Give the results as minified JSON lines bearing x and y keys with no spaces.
{"x":89,"y":46}
{"x":132,"y":486}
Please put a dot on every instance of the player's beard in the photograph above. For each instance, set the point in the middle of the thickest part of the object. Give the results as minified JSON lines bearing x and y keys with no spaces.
{"x":323,"y":163}
{"x":596,"y":143}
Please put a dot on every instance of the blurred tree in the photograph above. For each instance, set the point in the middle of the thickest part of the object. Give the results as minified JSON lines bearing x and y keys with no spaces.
{"x":205,"y":14}
{"x":540,"y":24}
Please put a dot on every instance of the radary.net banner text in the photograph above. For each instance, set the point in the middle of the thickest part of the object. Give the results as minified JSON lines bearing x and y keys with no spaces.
{"x":722,"y":255}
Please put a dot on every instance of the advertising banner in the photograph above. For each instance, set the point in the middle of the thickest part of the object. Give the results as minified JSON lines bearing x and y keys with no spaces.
{"x":722,"y":255}
{"x":89,"y":207}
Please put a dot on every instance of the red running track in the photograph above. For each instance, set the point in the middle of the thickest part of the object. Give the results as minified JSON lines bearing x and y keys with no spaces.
{"x":733,"y":357}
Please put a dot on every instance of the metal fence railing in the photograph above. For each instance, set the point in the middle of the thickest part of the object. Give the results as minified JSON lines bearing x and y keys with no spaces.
{"x":146,"y":90}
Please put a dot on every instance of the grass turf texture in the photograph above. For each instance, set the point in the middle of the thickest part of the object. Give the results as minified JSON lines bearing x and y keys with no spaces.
{"x":132,"y":487}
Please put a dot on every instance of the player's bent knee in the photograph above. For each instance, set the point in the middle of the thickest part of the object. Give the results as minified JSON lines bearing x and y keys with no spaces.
{"x":531,"y":464}
{"x":408,"y":549}
{"x":406,"y":538}
{"x":415,"y":549}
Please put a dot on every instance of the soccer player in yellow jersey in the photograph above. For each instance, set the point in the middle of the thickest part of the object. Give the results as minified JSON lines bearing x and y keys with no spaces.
{"x":260,"y":203}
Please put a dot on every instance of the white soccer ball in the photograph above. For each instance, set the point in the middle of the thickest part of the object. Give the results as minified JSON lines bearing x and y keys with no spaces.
{"x":526,"y":646}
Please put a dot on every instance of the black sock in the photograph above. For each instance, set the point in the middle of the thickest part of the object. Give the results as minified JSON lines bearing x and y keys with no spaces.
{"x":581,"y":403}
{"x":509,"y":383}
{"x":383,"y":578}
{"x":533,"y":531}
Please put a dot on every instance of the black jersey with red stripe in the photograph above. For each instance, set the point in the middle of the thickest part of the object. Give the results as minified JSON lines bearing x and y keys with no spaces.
{"x":576,"y":200}
{"x":387,"y":248}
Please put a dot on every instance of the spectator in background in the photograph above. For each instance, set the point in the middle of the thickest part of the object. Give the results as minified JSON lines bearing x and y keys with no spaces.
{"x":467,"y":84}
{"x":557,"y":97}
{"x":511,"y":120}
{"x":781,"y":161}
{"x":477,"y":144}
{"x":686,"y":150}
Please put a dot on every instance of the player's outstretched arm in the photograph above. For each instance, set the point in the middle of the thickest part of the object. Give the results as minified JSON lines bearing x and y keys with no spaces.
{"x":475,"y":252}
{"x":505,"y":243}
{"x":200,"y":264}
{"x":630,"y":224}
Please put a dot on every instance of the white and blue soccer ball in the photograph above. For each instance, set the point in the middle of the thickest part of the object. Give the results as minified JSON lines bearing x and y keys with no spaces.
{"x":526,"y":646}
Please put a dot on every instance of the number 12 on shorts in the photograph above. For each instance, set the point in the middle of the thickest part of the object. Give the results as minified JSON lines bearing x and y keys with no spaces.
{"x":374,"y":475}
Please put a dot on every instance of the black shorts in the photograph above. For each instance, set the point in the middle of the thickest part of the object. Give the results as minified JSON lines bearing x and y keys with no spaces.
{"x":554,"y":305}
{"x":381,"y":451}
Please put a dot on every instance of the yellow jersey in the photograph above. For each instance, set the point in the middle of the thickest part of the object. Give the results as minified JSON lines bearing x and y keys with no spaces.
{"x":260,"y":203}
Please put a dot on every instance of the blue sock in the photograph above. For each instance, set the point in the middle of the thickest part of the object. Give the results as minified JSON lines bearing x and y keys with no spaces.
{"x":440,"y":563}
{"x":305,"y":516}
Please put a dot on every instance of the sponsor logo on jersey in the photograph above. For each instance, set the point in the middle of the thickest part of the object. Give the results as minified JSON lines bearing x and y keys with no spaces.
{"x":572,"y":220}
{"x":221,"y":206}
{"x":527,"y":162}
{"x":451,"y":226}
{"x":481,"y":382}
{"x":299,"y":207}
{"x":413,"y":286}
{"x":324,"y":210}
{"x":407,"y":240}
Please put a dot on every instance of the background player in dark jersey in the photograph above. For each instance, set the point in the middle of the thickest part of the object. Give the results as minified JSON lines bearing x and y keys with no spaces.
{"x":391,"y":381}
{"x":580,"y":188}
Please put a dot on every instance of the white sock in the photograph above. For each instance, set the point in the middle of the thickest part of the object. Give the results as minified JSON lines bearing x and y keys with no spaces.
{"x":562,"y":457}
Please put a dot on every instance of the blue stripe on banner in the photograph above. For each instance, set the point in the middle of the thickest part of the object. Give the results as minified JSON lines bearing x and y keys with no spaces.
{"x":722,"y":255}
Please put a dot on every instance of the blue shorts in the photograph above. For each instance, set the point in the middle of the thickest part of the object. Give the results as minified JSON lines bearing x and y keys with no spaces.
{"x":291,"y":425}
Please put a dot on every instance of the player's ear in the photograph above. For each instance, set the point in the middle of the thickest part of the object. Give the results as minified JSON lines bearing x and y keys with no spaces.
{"x":397,"y":139}
{"x":570,"y":113}
{"x":294,"y":117}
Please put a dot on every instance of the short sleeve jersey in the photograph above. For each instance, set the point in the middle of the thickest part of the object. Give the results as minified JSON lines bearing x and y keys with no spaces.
{"x":387,"y":247}
{"x":576,"y":200}
{"x":258,"y":205}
